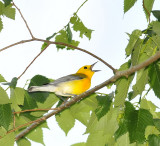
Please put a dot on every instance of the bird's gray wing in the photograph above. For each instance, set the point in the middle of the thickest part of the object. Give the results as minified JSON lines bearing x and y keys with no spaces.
{"x":68,"y":78}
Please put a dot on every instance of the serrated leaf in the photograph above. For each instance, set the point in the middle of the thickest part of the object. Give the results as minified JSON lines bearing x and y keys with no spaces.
{"x":156,"y":26}
{"x":36,"y":135}
{"x":8,"y":140}
{"x":141,"y":81}
{"x":137,"y":121}
{"x":4,"y":99}
{"x":2,"y":78}
{"x":148,"y":4}
{"x":136,"y":52}
{"x":104,"y":103}
{"x":9,"y":12}
{"x":156,"y":14}
{"x":23,"y":142}
{"x":157,"y":123}
{"x":128,"y":4}
{"x":69,"y":33}
{"x":154,"y":140}
{"x":1,"y":25}
{"x":134,"y":37}
{"x":65,"y":120}
{"x":29,"y":102}
{"x":79,"y":26}
{"x":121,"y":130}
{"x":62,"y":37}
{"x":7,"y":2}
{"x":3,"y":131}
{"x":5,"y":115}
{"x":154,"y":74}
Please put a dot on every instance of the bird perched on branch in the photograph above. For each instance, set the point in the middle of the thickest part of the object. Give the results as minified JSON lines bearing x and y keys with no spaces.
{"x":70,"y":85}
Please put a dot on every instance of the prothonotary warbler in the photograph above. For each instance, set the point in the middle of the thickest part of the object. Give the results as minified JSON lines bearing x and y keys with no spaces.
{"x":70,"y":85}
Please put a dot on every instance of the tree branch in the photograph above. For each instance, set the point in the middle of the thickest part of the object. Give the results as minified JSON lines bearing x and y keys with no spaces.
{"x":23,"y":19}
{"x":77,"y":98}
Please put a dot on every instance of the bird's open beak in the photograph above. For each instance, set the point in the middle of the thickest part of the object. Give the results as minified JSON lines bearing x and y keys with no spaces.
{"x":92,"y":67}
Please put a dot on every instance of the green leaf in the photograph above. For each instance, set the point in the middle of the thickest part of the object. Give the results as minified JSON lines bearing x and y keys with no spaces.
{"x":128,"y":4}
{"x":148,"y":4}
{"x":2,"y":78}
{"x":69,"y":33}
{"x":156,"y":26}
{"x":79,"y":144}
{"x":62,"y":37}
{"x":5,"y":115}
{"x":137,"y":121}
{"x":157,"y":123}
{"x":36,"y":135}
{"x":121,"y":130}
{"x":23,"y":142}
{"x":3,"y":131}
{"x":48,"y":38}
{"x":9,"y":12}
{"x":104,"y":103}
{"x":4,"y":99}
{"x":141,"y":81}
{"x":134,"y":37}
{"x":79,"y":26}
{"x":39,"y":80}
{"x":8,"y":140}
{"x":154,"y":140}
{"x":1,"y":25}
{"x":156,"y":14}
{"x":65,"y":120}
{"x":154,"y":74}
{"x":136,"y":52}
{"x":29,"y":102}
{"x":7,"y":2}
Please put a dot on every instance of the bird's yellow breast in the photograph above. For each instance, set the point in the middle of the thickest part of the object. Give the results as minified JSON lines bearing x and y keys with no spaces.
{"x":74,"y":87}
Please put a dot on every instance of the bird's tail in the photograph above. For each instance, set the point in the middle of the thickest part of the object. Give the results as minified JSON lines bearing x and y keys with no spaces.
{"x":44,"y":88}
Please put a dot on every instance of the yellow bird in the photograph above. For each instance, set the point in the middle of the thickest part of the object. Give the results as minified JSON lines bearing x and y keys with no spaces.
{"x":69,"y":85}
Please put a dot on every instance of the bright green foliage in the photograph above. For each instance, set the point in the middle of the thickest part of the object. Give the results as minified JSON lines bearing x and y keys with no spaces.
{"x":79,"y":26}
{"x":64,"y":37}
{"x":156,"y":26}
{"x":142,"y":80}
{"x":122,"y":85}
{"x":2,"y":78}
{"x":36,"y":135}
{"x":104,"y":103}
{"x":156,"y":14}
{"x":136,"y":122}
{"x":7,"y":140}
{"x":154,"y":140}
{"x":65,"y":120}
{"x":3,"y":96}
{"x":5,"y":115}
{"x":157,"y":123}
{"x":23,"y":142}
{"x":148,"y":4}
{"x":154,"y":74}
{"x":69,"y":33}
{"x":134,"y":37}
{"x":128,"y":4}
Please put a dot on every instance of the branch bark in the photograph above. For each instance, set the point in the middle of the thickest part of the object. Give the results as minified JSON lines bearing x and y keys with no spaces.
{"x":77,"y":98}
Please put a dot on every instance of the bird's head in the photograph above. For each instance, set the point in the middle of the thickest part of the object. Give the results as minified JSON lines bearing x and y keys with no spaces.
{"x":87,"y":70}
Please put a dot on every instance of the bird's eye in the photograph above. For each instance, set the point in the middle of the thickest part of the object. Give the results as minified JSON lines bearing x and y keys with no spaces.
{"x":85,"y":67}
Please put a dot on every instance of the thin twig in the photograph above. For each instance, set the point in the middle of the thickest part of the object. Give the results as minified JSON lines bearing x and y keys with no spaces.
{"x":80,"y":6}
{"x":33,"y":61}
{"x":77,"y":98}
{"x":23,"y":19}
